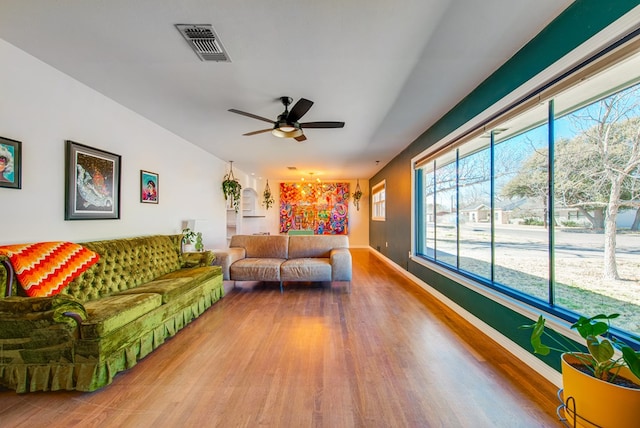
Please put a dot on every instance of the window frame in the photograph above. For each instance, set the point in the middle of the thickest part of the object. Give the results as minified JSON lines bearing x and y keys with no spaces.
{"x":378,"y":207}
{"x":609,"y":53}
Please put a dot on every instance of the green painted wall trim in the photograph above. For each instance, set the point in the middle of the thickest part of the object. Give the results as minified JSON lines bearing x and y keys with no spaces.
{"x":579,"y":22}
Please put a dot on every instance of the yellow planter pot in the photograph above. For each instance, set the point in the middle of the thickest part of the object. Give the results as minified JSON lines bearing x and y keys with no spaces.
{"x":596,"y":402}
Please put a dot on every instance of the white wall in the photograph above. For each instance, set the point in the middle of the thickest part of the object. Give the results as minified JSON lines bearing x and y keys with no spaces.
{"x":42,"y":108}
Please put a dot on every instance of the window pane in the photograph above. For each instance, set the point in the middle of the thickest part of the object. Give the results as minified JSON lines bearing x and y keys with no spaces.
{"x":521,"y":233}
{"x":378,"y":202}
{"x":474,"y":172}
{"x":484,"y":203}
{"x":446,"y":211}
{"x":429,"y":206}
{"x":597,"y":187}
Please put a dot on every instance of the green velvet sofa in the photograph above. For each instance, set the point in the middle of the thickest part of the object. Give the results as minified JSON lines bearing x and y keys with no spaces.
{"x":141,"y":292}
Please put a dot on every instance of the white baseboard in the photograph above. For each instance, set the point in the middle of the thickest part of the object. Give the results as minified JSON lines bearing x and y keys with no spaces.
{"x":526,"y":357}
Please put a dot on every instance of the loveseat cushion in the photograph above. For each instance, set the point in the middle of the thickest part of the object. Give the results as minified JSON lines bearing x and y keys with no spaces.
{"x":112,"y":312}
{"x":262,"y":246}
{"x":306,"y":269}
{"x":316,"y":245}
{"x":252,"y":269}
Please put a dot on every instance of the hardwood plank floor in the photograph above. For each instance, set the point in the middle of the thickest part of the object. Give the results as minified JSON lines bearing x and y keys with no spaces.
{"x":385,"y":355}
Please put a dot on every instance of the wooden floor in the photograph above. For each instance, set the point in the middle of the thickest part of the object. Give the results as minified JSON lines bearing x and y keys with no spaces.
{"x":385,"y":355}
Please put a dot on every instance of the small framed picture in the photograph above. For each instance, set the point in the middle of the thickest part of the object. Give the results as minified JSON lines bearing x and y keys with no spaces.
{"x":10,"y":163}
{"x":149,"y":187}
{"x":92,"y":183}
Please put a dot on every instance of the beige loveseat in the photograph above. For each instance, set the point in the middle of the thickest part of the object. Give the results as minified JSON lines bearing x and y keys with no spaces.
{"x":285,"y":258}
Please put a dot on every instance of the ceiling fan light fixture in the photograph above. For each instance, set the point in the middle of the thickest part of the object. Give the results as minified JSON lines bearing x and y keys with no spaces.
{"x":286,"y":130}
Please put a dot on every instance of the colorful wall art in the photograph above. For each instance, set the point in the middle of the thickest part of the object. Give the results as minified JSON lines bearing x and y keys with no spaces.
{"x":321,"y":207}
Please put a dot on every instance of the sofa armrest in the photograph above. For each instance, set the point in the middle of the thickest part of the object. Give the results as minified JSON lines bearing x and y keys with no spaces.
{"x":19,"y":316}
{"x":225,"y":258}
{"x":28,"y":305}
{"x":38,"y":331}
{"x":199,"y":259}
{"x":9,"y":279}
{"x":340,"y":259}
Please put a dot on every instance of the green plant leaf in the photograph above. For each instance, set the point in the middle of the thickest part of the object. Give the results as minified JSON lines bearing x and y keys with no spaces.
{"x":591,"y":327}
{"x":632,"y":359}
{"x":600,"y":350}
{"x":536,"y":337}
{"x":583,"y":326}
{"x":599,"y":328}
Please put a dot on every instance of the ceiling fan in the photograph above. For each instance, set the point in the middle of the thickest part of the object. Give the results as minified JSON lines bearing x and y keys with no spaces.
{"x":287,"y":124}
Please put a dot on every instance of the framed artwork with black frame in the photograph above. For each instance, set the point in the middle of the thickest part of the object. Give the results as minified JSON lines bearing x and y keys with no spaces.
{"x":10,"y":163}
{"x":149,"y":187}
{"x":92,"y":183}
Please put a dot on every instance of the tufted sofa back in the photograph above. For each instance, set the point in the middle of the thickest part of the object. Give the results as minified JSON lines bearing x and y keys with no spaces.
{"x":126,"y":263}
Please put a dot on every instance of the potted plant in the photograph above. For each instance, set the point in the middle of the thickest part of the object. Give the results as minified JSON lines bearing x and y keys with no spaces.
{"x":231,"y":188}
{"x":601,"y":387}
{"x":267,"y":198}
{"x":356,"y":198}
{"x":188,"y":238}
{"x":357,"y":195}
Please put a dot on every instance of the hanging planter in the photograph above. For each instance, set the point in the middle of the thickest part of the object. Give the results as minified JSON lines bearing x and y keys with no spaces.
{"x":357,"y":195}
{"x":231,"y":188}
{"x":267,"y":198}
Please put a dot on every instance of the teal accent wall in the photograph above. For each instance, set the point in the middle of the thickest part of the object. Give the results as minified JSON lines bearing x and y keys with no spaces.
{"x":579,"y":22}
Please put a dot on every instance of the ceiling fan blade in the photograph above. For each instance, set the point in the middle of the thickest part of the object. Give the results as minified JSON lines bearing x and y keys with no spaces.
{"x":244,"y":113}
{"x":301,"y":138}
{"x":302,"y":106}
{"x":322,"y":125}
{"x":258,"y":132}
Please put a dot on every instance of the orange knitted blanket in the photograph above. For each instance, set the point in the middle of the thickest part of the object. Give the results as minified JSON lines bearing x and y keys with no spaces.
{"x":45,"y":268}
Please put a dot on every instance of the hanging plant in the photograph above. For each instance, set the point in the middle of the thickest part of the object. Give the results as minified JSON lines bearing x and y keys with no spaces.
{"x":357,"y":195}
{"x":267,"y":198}
{"x":231,"y":188}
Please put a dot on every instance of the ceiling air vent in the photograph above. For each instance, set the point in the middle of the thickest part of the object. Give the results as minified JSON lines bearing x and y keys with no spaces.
{"x":204,"y":41}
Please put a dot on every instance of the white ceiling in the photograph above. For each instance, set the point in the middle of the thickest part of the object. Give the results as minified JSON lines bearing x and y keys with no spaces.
{"x":388,"y":68}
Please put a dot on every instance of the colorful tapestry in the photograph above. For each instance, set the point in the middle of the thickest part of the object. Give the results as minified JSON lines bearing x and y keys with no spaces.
{"x":321,"y":207}
{"x":45,"y":268}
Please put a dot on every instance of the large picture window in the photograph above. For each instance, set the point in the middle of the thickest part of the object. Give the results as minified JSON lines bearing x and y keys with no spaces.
{"x":543,"y":204}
